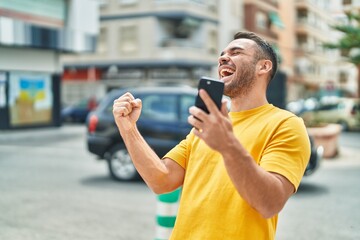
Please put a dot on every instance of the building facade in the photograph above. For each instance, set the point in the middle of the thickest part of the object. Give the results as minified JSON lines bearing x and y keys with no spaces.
{"x":177,"y":41}
{"x":33,"y":34}
{"x":165,"y":42}
{"x":152,"y":42}
{"x":317,"y":71}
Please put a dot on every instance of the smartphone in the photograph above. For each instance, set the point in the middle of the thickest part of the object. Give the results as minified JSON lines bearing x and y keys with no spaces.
{"x":214,"y":88}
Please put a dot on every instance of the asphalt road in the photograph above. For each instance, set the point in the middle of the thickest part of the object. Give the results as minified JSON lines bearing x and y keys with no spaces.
{"x":326,"y":205}
{"x":52,"y":188}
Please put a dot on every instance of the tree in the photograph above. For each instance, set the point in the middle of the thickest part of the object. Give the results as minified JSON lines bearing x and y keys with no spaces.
{"x":349,"y":43}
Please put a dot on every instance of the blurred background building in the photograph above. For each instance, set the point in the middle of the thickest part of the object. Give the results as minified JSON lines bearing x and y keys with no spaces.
{"x":152,"y":42}
{"x":316,"y":71}
{"x":33,"y":35}
{"x":171,"y":42}
{"x":177,"y":41}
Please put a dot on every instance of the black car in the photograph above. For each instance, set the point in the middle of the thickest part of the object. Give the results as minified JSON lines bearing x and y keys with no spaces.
{"x":163,"y":124}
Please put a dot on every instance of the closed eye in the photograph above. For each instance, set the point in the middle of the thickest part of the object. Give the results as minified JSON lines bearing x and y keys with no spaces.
{"x":235,"y":53}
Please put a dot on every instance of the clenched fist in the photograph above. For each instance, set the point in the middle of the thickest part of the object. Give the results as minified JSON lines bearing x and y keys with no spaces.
{"x":126,"y":111}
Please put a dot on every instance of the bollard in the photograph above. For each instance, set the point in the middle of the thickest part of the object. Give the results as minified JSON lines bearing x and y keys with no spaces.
{"x":166,"y":210}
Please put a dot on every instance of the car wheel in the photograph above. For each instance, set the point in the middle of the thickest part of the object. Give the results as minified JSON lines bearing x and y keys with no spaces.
{"x":120,"y":165}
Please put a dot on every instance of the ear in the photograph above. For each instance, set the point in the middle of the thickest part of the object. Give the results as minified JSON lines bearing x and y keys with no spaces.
{"x":264,"y":67}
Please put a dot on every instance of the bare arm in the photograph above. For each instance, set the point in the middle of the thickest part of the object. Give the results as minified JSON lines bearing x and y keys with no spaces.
{"x":265,"y":191}
{"x":160,"y":175}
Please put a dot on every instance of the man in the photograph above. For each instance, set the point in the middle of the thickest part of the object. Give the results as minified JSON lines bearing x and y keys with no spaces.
{"x":236,"y":169}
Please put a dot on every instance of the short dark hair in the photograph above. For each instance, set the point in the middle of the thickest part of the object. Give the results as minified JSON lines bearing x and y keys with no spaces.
{"x":265,"y":50}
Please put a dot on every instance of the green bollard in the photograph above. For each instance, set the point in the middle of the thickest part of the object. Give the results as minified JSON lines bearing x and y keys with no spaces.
{"x":166,"y":210}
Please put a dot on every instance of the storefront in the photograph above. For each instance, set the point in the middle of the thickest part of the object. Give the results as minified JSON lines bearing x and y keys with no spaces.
{"x":33,"y":36}
{"x":29,"y":99}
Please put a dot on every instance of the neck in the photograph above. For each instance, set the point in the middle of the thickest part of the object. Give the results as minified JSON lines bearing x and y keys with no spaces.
{"x":242,"y":104}
{"x":255,"y":98}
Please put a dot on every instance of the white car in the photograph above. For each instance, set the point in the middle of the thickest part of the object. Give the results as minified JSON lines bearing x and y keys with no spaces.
{"x":343,"y":111}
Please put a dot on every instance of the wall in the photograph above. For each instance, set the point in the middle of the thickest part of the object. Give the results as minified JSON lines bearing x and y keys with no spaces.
{"x":29,"y":60}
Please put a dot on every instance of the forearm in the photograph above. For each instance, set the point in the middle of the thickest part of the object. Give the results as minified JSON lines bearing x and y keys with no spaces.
{"x":263,"y":191}
{"x":151,"y":168}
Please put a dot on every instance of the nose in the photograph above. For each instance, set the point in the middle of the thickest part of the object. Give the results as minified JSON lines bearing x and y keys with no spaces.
{"x":223,"y":59}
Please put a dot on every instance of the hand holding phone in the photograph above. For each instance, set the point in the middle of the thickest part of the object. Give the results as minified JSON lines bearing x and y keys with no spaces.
{"x":214,"y":88}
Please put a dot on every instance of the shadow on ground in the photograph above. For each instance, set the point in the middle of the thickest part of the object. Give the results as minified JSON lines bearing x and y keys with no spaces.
{"x":104,"y":181}
{"x":306,"y":188}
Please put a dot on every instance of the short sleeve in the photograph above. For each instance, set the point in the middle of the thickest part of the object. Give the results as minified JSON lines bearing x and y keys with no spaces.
{"x":288,"y":151}
{"x":180,"y":153}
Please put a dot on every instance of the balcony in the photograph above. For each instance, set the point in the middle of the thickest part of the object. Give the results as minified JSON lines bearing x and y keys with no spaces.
{"x":199,"y":7}
{"x":65,"y":39}
{"x":181,"y":43}
{"x":306,"y":27}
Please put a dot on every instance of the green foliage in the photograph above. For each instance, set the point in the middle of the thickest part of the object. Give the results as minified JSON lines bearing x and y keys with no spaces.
{"x":351,"y":38}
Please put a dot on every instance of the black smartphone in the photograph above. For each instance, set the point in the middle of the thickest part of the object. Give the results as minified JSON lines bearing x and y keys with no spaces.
{"x":214,"y":88}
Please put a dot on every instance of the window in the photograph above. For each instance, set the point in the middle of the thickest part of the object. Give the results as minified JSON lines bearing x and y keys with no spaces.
{"x":261,"y":20}
{"x":213,"y":42}
{"x":343,"y":77}
{"x":102,"y":41}
{"x":128,"y":39}
{"x":159,"y":107}
{"x":179,"y":32}
{"x":328,"y":107}
{"x":185,"y":103}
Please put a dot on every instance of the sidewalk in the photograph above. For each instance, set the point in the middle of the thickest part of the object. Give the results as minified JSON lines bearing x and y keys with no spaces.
{"x":44,"y":132}
{"x":347,"y":157}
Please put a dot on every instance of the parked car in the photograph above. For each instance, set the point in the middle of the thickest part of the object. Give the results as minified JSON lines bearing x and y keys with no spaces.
{"x":78,"y":112}
{"x":343,"y":111}
{"x":163,"y":124}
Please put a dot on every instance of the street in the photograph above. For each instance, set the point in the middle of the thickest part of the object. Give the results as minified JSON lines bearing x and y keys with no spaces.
{"x":52,"y":188}
{"x":326,"y":205}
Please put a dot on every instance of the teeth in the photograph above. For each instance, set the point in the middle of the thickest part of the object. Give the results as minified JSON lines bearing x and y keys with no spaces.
{"x":226,"y":72}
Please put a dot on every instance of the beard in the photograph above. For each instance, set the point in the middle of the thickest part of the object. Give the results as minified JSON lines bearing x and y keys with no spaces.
{"x":242,"y":82}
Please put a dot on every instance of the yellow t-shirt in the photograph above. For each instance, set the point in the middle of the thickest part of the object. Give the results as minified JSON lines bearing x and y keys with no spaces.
{"x":210,"y":207}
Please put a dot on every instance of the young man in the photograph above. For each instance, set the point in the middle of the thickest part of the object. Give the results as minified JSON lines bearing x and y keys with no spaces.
{"x":236,"y":169}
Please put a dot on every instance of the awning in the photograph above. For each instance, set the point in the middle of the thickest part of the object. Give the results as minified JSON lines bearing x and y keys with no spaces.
{"x":276,"y":20}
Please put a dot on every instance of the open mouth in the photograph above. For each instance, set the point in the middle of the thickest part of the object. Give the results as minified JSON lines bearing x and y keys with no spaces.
{"x":225,"y":72}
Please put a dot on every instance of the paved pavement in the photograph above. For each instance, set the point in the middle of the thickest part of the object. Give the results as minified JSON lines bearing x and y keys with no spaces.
{"x":43,"y":132}
{"x":347,"y":155}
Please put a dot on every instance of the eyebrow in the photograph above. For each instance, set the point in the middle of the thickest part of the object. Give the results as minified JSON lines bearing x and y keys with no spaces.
{"x":232,"y":50}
